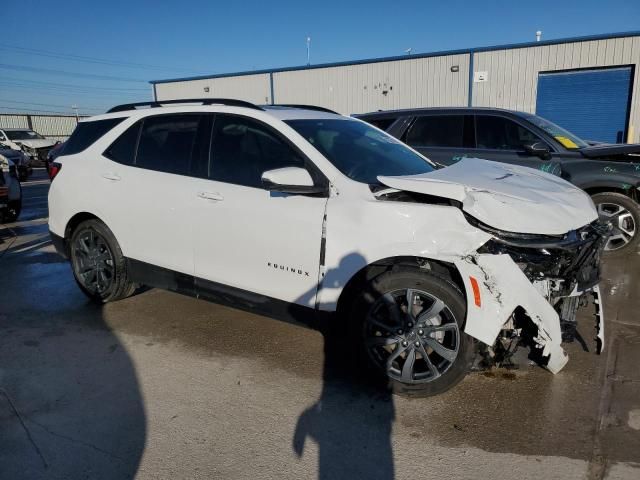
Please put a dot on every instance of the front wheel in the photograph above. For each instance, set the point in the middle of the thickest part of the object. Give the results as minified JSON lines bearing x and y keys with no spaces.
{"x":409,"y":326}
{"x":98,"y":264}
{"x":624,"y":215}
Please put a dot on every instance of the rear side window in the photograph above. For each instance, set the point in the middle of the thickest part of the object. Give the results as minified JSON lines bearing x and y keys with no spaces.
{"x":500,"y":133}
{"x":123,"y":150}
{"x":437,"y":131}
{"x":243,"y":149}
{"x":86,"y":133}
{"x":168,"y":143}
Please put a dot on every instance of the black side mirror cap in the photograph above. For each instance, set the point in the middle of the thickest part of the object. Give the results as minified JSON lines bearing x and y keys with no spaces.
{"x":538,"y":149}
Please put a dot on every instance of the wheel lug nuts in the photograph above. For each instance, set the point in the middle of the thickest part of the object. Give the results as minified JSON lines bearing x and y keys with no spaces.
{"x":417,"y":344}
{"x":405,"y":343}
{"x":410,"y":325}
{"x":420,"y":332}
{"x":399,"y":331}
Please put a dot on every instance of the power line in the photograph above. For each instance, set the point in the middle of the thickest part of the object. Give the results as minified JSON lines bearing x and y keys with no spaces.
{"x":25,"y":68}
{"x":88,"y":59}
{"x":31,"y":110}
{"x":71,"y":85}
{"x":97,"y":109}
{"x":67,"y":91}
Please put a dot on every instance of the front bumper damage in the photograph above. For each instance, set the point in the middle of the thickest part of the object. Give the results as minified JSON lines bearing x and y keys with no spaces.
{"x":544,"y":279}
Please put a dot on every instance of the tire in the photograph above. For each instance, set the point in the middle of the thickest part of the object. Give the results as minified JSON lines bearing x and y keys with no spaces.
{"x":382,"y":329}
{"x":98,"y":264}
{"x":624,"y":213}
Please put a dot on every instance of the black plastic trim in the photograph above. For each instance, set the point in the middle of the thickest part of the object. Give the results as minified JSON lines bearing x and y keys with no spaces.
{"x":231,"y":102}
{"x":59,"y":244}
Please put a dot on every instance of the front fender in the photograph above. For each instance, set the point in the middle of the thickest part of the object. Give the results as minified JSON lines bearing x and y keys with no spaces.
{"x":495,"y":286}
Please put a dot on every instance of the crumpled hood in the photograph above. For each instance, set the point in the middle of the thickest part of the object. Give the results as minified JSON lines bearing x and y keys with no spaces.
{"x":506,"y":197}
{"x":36,"y":143}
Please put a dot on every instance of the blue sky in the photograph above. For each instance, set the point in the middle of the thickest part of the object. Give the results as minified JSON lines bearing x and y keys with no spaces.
{"x":145,"y":40}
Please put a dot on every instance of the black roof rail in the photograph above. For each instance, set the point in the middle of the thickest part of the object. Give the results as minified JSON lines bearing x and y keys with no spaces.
{"x":305,"y":107}
{"x":231,"y":102}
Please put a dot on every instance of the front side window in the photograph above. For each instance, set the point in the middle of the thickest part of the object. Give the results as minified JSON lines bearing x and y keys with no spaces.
{"x":437,"y":131}
{"x":88,"y":132}
{"x":243,"y":149}
{"x":359,"y":151}
{"x":168,"y":142}
{"x":498,"y":133}
{"x":565,"y":137}
{"x":23,"y":135}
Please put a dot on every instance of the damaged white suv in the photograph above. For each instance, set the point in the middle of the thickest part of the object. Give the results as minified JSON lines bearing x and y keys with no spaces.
{"x":293,"y":209}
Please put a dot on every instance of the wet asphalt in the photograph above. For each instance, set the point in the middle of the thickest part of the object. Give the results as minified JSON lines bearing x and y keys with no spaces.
{"x":165,"y":386}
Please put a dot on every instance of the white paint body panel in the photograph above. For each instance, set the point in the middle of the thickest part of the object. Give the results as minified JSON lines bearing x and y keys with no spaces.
{"x":241,"y":236}
{"x":506,"y":197}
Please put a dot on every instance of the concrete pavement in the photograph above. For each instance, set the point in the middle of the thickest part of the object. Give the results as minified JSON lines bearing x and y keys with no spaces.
{"x":164,"y":386}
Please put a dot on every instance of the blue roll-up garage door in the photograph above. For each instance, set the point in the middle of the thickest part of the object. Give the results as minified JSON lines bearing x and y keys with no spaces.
{"x":593,"y":104}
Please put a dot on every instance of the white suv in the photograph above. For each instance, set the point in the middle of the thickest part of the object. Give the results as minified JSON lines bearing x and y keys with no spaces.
{"x":294,"y":209}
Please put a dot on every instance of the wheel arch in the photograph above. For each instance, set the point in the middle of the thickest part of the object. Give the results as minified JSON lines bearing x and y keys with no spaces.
{"x":431,"y":266}
{"x":631,"y":192}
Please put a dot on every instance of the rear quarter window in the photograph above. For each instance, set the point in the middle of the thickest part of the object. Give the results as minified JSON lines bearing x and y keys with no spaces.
{"x":86,"y":133}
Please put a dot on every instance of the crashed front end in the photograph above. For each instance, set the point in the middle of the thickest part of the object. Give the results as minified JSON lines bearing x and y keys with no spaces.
{"x":526,"y":289}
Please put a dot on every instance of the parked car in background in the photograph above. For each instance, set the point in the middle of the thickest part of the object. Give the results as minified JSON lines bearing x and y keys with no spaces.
{"x":10,"y":191}
{"x":416,"y":262}
{"x":609,"y":173}
{"x":30,"y":142}
{"x":54,"y":153}
{"x":21,"y":160}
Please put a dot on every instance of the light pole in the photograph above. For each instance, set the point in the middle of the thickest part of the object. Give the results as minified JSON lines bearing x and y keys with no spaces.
{"x":408,"y":51}
{"x":308,"y":51}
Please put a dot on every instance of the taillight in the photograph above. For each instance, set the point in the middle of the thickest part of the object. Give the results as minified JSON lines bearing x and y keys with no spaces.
{"x":54,"y":168}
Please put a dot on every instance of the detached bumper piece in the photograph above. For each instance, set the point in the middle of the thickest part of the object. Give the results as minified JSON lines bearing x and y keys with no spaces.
{"x":540,"y":278}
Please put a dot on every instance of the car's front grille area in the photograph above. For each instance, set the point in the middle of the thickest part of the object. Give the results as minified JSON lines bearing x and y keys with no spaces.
{"x":575,"y":258}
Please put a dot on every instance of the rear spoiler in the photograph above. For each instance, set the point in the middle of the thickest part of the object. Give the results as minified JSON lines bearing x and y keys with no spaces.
{"x":607,"y":150}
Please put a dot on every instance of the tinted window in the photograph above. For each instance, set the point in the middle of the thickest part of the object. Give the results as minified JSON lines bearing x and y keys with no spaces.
{"x":437,"y":131}
{"x":167,"y":143}
{"x":123,"y":150}
{"x":243,"y":149}
{"x":565,"y":137}
{"x":23,"y":135}
{"x":381,"y":123}
{"x":88,"y":132}
{"x":360,"y":151}
{"x":502,"y":134}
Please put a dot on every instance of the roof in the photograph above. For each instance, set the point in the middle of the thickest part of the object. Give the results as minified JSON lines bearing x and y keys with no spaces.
{"x":279,"y":112}
{"x":413,"y":111}
{"x":441,"y":53}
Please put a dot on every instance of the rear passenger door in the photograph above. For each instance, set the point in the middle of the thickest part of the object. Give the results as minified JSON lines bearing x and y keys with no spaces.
{"x":150,"y":179}
{"x":444,"y":139}
{"x":248,"y":237}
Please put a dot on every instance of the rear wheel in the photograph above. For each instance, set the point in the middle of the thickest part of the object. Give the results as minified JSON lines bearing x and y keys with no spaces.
{"x":409,"y":327}
{"x":624,"y":215}
{"x":98,"y":265}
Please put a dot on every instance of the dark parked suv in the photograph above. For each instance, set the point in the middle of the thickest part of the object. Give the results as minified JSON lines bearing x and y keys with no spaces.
{"x":609,"y":173}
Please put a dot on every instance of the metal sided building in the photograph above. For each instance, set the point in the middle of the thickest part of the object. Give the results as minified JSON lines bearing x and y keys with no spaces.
{"x":586,"y":84}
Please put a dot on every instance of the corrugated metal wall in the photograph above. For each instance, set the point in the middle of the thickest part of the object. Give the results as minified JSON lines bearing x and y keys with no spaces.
{"x":55,"y":127}
{"x":419,"y":82}
{"x":513,"y":74}
{"x":253,"y":88}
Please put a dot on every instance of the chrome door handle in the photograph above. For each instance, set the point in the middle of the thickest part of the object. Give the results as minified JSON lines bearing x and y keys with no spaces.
{"x":210,"y":196}
{"x":111,"y":176}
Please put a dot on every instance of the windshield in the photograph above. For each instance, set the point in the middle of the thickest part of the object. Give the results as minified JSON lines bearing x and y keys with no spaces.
{"x":23,"y":135}
{"x":360,"y":151}
{"x":566,"y":138}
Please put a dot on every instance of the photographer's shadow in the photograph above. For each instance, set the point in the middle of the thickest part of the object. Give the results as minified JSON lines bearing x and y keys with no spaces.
{"x":351,"y":422}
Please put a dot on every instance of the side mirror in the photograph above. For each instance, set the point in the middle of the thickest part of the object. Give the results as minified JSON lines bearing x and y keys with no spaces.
{"x":293,"y":180}
{"x":538,"y":149}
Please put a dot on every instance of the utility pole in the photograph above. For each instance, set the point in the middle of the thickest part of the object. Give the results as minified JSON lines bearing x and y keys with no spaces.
{"x":308,"y":51}
{"x":75,"y":109}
